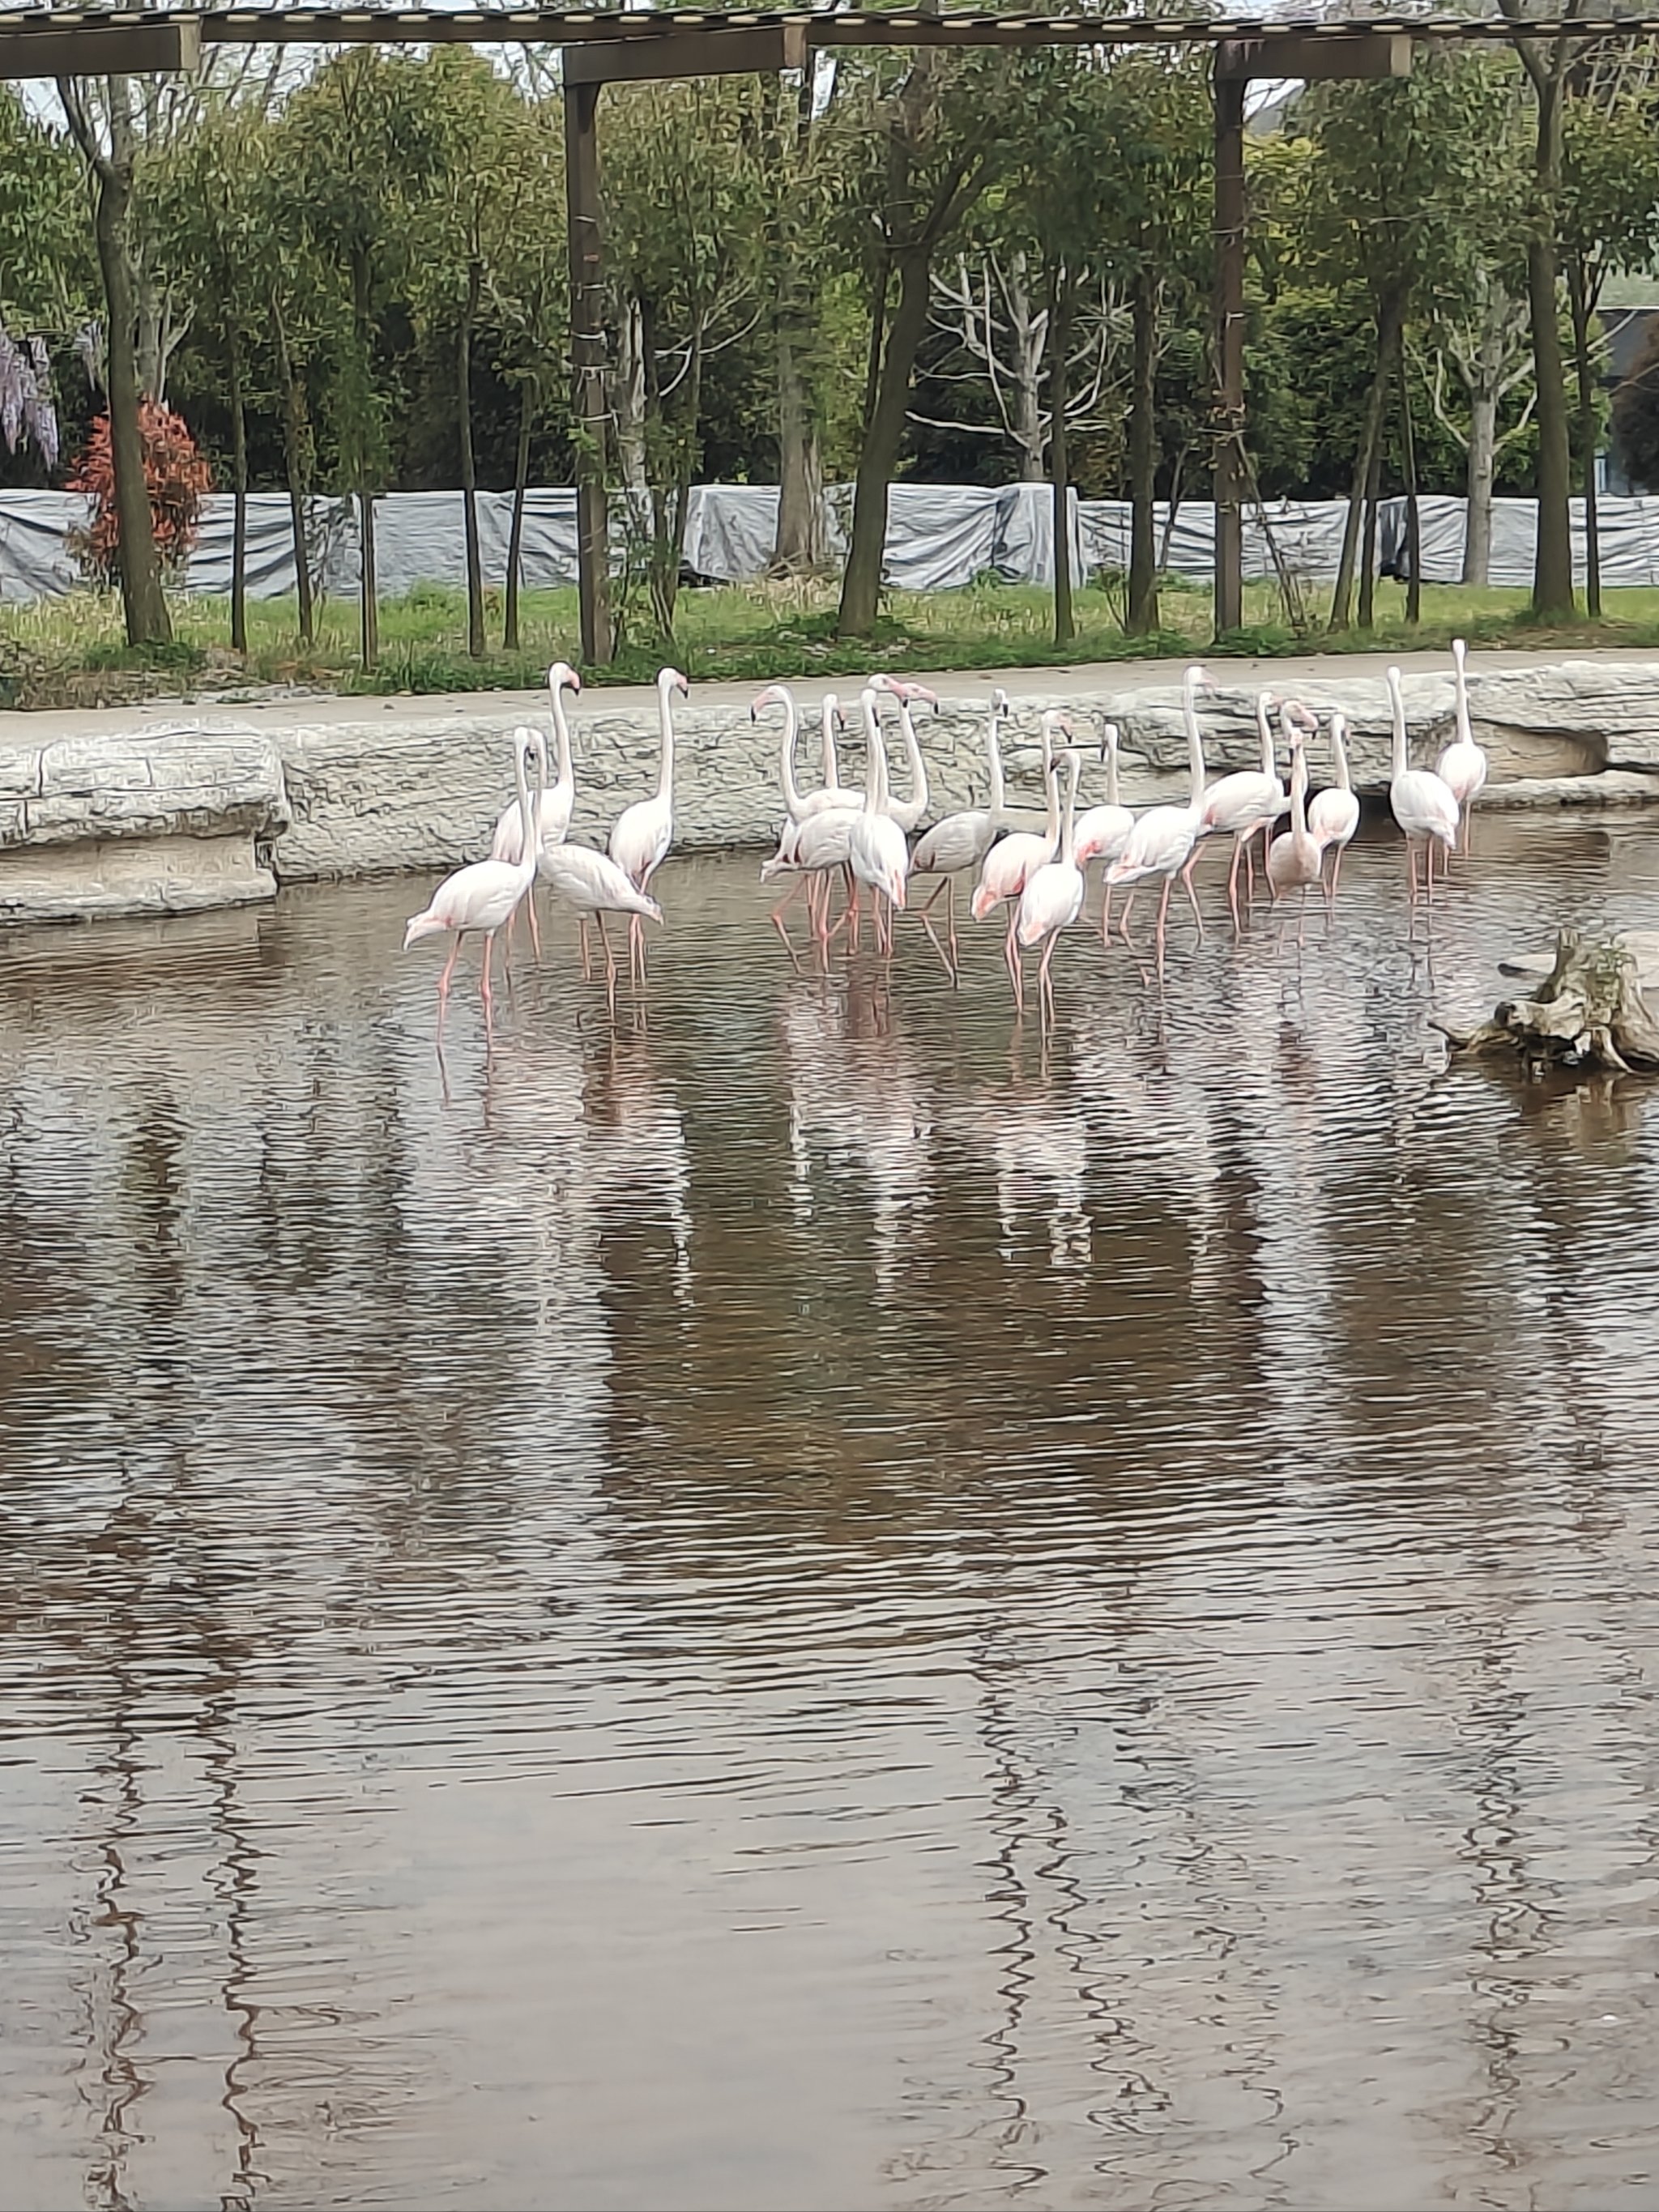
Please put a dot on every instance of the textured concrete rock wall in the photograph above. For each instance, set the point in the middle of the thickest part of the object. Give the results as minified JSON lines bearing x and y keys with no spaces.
{"x":216,"y":812}
{"x":164,"y":821}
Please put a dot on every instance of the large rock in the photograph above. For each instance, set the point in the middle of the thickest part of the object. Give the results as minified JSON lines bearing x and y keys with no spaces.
{"x":165,"y":821}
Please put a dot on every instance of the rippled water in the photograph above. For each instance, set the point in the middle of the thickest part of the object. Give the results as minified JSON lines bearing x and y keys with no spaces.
{"x":803,"y":1603}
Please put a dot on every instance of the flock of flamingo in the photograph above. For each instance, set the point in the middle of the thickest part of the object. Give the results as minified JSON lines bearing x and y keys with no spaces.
{"x":1032,"y":867}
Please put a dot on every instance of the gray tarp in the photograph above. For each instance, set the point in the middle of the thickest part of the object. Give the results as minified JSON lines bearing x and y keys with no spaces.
{"x":939,"y":537}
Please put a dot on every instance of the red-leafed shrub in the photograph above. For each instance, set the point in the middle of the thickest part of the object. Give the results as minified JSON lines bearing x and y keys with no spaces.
{"x":176,"y":475}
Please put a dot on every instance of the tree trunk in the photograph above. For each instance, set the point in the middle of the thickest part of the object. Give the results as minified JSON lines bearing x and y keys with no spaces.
{"x":144,"y":603}
{"x":1178,"y":469}
{"x":475,"y":603}
{"x":798,"y":542}
{"x":1060,"y":463}
{"x":369,"y":596}
{"x":1390,"y":317}
{"x":1478,"y":483}
{"x":296,"y":467}
{"x":1583,"y":313}
{"x":1028,"y":375}
{"x":1142,"y":614}
{"x":239,"y":490}
{"x":1366,"y":614}
{"x":861,"y":592}
{"x":1551,"y":578}
{"x":1414,"y":516}
{"x":361,"y":302}
{"x":515,"y":537}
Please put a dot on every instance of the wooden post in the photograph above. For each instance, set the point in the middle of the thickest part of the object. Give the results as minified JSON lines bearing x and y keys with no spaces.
{"x":1228,"y":84}
{"x":581,"y":186}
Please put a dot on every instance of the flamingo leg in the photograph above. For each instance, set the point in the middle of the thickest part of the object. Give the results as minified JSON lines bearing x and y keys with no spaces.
{"x":1192,"y":896}
{"x":1046,"y":982}
{"x":443,"y":982}
{"x":1105,"y":912}
{"x":951,"y":924}
{"x":1302,"y":919}
{"x":609,"y":965}
{"x":1241,"y":845}
{"x":1123,"y":920}
{"x":484,"y":992}
{"x":1162,"y":922}
{"x":588,"y":950}
{"x":778,"y":924}
{"x":535,"y":927}
{"x":1011,"y":958}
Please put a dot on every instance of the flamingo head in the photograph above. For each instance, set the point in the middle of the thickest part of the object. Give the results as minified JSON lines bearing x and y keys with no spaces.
{"x":1057,"y":724}
{"x":775,"y":694}
{"x":561,"y":677}
{"x":669,"y":679}
{"x":1195,"y":679}
{"x":1001,"y":706}
{"x":1459,"y":651}
{"x":1109,"y":735}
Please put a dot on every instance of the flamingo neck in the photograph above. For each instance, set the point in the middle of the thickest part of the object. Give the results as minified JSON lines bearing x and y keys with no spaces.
{"x":1299,"y":793}
{"x":1397,"y":711}
{"x":993,"y":762}
{"x":792,"y":798}
{"x":875,"y":783}
{"x":831,"y":765}
{"x":913,"y":755}
{"x":561,"y":741}
{"x":1264,"y":731}
{"x":1068,"y":818}
{"x":666,"y":719}
{"x":532,"y":853}
{"x":1465,"y":732}
{"x":1195,"y":744}
{"x":1339,"y":754}
{"x":1112,"y":798}
{"x":1051,"y":783}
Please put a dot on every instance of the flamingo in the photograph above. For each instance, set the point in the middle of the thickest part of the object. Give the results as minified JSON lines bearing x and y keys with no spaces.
{"x":795,"y":803}
{"x":909,"y":812}
{"x":1162,"y":842}
{"x":1246,"y":803}
{"x":1006,"y":867}
{"x":642,"y":833}
{"x":594,"y":883}
{"x":1294,"y":858}
{"x":554,"y":807}
{"x":875,"y":842}
{"x":1424,"y":807}
{"x":1333,"y":815}
{"x":1052,"y":899}
{"x":1102,"y":832}
{"x":481,"y":895}
{"x":1462,"y":766}
{"x":959,"y":841}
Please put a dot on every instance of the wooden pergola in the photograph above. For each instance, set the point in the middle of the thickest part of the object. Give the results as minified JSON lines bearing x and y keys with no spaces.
{"x":602,"y":47}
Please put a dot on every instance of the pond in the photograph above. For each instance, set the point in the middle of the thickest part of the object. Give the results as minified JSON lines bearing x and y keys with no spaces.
{"x":801,"y":1600}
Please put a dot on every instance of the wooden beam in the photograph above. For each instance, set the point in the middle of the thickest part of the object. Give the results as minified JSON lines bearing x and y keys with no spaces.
{"x":688,"y":53}
{"x":1316,"y":54}
{"x":131,"y":45}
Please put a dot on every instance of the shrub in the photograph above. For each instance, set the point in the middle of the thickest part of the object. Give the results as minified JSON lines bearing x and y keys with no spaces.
{"x":176,"y":476}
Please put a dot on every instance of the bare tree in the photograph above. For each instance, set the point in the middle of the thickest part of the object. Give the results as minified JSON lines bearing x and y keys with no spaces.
{"x":1490,"y":350}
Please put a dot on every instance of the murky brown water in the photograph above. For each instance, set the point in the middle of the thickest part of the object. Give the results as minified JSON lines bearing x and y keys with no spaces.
{"x":807,"y":1608}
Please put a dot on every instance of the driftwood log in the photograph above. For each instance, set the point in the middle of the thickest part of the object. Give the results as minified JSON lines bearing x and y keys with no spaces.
{"x":1595,"y":1007}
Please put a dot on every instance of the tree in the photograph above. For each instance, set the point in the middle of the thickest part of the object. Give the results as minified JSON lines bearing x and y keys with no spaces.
{"x":100,"y":113}
{"x":932,"y":137}
{"x":1636,"y":414}
{"x":356,"y":149}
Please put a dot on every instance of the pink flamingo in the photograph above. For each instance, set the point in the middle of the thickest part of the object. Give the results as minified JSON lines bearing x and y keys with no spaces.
{"x":1333,"y":814}
{"x":1462,"y":766}
{"x":1162,"y":842}
{"x":479,"y":898}
{"x":909,"y":812}
{"x":640,"y":841}
{"x":875,"y":842}
{"x":1424,"y":807}
{"x":1246,"y":803}
{"x":1294,"y":858}
{"x":553,"y":807}
{"x":1102,"y":832}
{"x":959,"y":841}
{"x":1053,"y":896}
{"x":1008,"y":864}
{"x":594,"y":883}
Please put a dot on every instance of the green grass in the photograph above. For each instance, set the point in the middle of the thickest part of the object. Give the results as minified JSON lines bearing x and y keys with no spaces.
{"x":71,"y":652}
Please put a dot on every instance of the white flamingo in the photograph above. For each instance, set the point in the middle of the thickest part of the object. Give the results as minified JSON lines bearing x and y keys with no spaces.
{"x":875,"y":842}
{"x":554,"y":805}
{"x":1424,"y":807}
{"x":594,"y":883}
{"x":1053,"y":896}
{"x":1294,"y":858}
{"x":1102,"y":832}
{"x":1462,"y":766}
{"x":1246,"y":804}
{"x":909,"y":812}
{"x":1004,"y":871}
{"x":642,"y":834}
{"x":1333,"y":814}
{"x":479,"y":898}
{"x":1161,"y":843}
{"x":959,"y":841}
